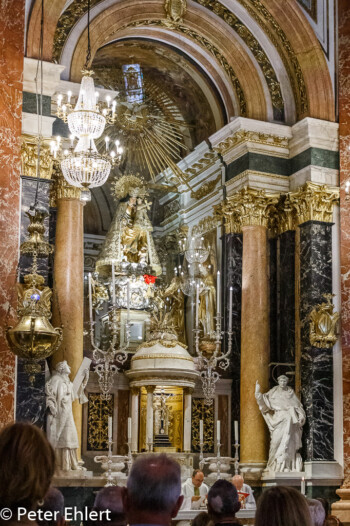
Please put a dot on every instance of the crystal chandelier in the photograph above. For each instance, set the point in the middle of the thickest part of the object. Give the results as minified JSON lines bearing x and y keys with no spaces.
{"x":83,"y":166}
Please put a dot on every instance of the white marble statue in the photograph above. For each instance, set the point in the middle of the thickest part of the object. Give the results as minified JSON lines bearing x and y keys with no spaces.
{"x":285,"y":417}
{"x":61,"y":430}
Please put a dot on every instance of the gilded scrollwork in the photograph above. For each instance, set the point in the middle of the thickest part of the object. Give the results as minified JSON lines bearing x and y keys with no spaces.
{"x":314,"y":202}
{"x":206,"y":188}
{"x":29,"y":157}
{"x":175,"y":10}
{"x":245,"y":136}
{"x":323,"y":324}
{"x":237,"y":25}
{"x":278,"y":37}
{"x":205,"y":225}
{"x":97,"y":424}
{"x":202,"y":411}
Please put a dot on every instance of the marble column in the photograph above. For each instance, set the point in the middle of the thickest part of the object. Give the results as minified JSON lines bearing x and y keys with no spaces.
{"x":69,"y":283}
{"x":286,"y":303}
{"x":135,"y":392}
{"x":187,"y":419}
{"x":232,"y":273}
{"x":248,"y":210}
{"x":342,"y":508}
{"x":255,"y":343}
{"x":314,"y":209}
{"x":149,"y":417}
{"x":11,"y":74}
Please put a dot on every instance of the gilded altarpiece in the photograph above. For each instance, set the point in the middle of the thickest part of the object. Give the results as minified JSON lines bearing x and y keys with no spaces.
{"x":202,"y":411}
{"x":97,"y":428}
{"x":174,"y":404}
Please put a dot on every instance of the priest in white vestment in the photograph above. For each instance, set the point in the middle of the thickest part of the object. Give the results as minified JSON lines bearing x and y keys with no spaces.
{"x":194,"y":490}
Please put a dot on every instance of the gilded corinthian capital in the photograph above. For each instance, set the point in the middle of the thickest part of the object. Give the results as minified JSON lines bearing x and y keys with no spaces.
{"x":248,"y":207}
{"x":313,"y":202}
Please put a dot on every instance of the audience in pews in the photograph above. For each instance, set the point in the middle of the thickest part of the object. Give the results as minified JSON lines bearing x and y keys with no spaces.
{"x":110,"y":498}
{"x":54,"y":504}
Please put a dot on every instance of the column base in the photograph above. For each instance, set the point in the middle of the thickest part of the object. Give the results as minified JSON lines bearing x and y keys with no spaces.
{"x":277,"y":478}
{"x":323,"y":473}
{"x":252,"y":470}
{"x":341,"y":509}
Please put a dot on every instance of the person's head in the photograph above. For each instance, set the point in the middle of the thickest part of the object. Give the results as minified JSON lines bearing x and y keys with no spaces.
{"x":317,"y":512}
{"x":54,"y":503}
{"x":153,"y":490}
{"x":202,"y":519}
{"x":27,"y":465}
{"x":282,"y":506}
{"x":197,"y":478}
{"x":63,"y":368}
{"x":111,"y":498}
{"x":223,"y":500}
{"x":325,"y":504}
{"x":283,"y":381}
{"x":238,"y":481}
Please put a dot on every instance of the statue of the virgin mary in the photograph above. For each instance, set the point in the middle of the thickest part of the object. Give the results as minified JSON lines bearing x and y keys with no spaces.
{"x":129,"y":238}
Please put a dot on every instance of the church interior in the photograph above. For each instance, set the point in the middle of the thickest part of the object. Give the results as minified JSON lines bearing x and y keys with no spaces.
{"x":175,"y":231}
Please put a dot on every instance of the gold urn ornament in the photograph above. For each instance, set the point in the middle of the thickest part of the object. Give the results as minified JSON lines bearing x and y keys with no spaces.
{"x":33,"y":338}
{"x":323,"y":324}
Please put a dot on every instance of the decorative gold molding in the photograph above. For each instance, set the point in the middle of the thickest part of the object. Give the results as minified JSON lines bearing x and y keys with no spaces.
{"x":203,"y":164}
{"x":245,"y":136}
{"x":205,"y":43}
{"x":61,"y":189}
{"x":29,"y":156}
{"x":205,"y":225}
{"x":162,"y":356}
{"x":227,"y":214}
{"x":252,"y":43}
{"x":323,"y":324}
{"x":266,"y":21}
{"x":205,"y":189}
{"x":313,"y":202}
{"x":248,"y":207}
{"x":175,"y":10}
{"x":283,"y":216}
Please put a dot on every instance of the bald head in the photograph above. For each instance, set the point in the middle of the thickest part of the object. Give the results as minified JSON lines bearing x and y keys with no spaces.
{"x":154,"y":484}
{"x":238,"y":481}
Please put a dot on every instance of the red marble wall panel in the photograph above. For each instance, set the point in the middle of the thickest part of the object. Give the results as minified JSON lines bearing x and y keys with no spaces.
{"x":344,"y":131}
{"x":11,"y":77}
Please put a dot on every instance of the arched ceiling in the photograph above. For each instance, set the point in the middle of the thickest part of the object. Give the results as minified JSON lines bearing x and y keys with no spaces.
{"x":261,"y":56}
{"x":258,"y":59}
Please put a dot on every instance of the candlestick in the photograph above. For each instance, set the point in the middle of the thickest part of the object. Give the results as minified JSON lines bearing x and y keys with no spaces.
{"x":197,"y":306}
{"x":110,"y":423}
{"x":230,"y":311}
{"x":90,"y":297}
{"x":302,"y":487}
{"x":113,"y":284}
{"x":201,"y":431}
{"x":218,"y":294}
{"x":218,"y":431}
{"x":129,"y":429}
{"x":236,"y":432}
